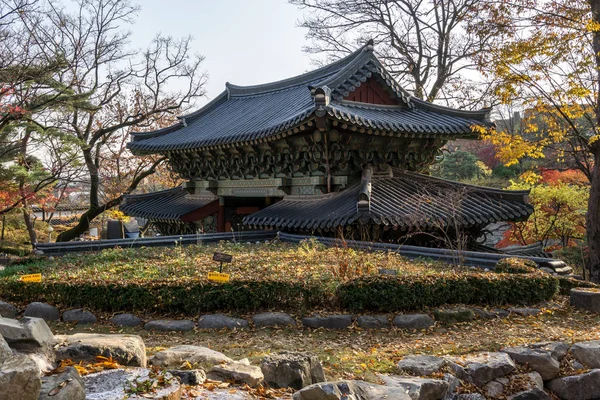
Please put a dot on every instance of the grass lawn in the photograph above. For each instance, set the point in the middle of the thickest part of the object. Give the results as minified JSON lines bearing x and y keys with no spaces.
{"x":276,"y":261}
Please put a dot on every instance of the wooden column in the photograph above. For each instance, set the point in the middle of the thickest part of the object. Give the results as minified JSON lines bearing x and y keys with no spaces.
{"x":221,"y":215}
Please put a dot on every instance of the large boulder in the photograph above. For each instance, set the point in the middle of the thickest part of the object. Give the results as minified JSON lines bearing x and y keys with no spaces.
{"x":350,"y":390}
{"x":292,"y":369}
{"x":577,"y":387}
{"x":42,"y":310}
{"x":64,"y":386}
{"x":237,"y":372}
{"x":418,"y":388}
{"x":413,"y":321}
{"x":270,"y":319}
{"x":481,"y":368}
{"x":195,"y":355}
{"x":221,"y":321}
{"x":19,"y":379}
{"x":558,"y":350}
{"x":30,"y":336}
{"x":539,"y":360}
{"x":531,"y":394}
{"x":128,"y":350}
{"x":79,"y":316}
{"x":7,"y":310}
{"x":587,"y":353}
{"x":585,"y":298}
{"x":5,"y":351}
{"x":421,"y":364}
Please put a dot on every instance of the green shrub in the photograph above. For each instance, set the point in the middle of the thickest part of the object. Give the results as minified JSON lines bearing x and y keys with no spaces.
{"x":388,"y":294}
{"x":566,"y":284}
{"x":516,"y":266}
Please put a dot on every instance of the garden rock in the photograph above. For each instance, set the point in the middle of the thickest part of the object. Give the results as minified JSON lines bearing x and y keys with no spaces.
{"x":418,"y":388}
{"x":292,"y":369}
{"x":237,"y":372}
{"x":220,"y":321}
{"x":558,"y":350}
{"x":128,"y":350}
{"x":587,"y":353}
{"x":195,"y":355}
{"x":531,"y":394}
{"x":19,"y":379}
{"x":453,"y":385}
{"x":126,"y":320}
{"x":451,"y":316}
{"x":350,"y":390}
{"x":577,"y":387}
{"x":5,"y":351}
{"x":30,"y":336}
{"x":540,"y":361}
{"x":191,"y":377}
{"x":481,"y":368}
{"x":421,"y":364}
{"x":269,"y":319}
{"x":491,"y":314}
{"x":372,"y":321}
{"x":7,"y":310}
{"x":525,"y":311}
{"x":493,"y":389}
{"x":469,"y":396}
{"x":65,"y":386}
{"x":170,"y":325}
{"x":42,"y":310}
{"x":413,"y":321}
{"x":585,"y":299}
{"x":79,"y":316}
{"x":372,"y":391}
{"x":111,"y":384}
{"x":329,"y":322}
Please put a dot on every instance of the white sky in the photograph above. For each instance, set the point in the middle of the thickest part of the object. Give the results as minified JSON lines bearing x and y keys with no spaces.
{"x":245,"y":42}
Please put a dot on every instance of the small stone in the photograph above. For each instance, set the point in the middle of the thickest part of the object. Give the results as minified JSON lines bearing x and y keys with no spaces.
{"x":79,"y":316}
{"x":587,"y":353}
{"x":558,"y":350}
{"x":191,"y":377}
{"x":271,"y":319}
{"x":491,"y":314}
{"x":329,"y":322}
{"x":19,"y":378}
{"x":7,"y":310}
{"x":482,"y":368}
{"x":64,"y":386}
{"x":126,"y":320}
{"x":493,"y":389}
{"x":418,"y":388}
{"x":451,"y":316}
{"x":292,"y":369}
{"x":128,"y":350}
{"x":169,"y":325}
{"x":453,"y":384}
{"x":174,"y":357}
{"x":577,"y":387}
{"x":525,"y":311}
{"x":42,"y":310}
{"x":372,"y":321}
{"x":220,"y":321}
{"x":540,"y":361}
{"x":413,"y":321}
{"x":531,"y":394}
{"x":421,"y":364}
{"x":237,"y":372}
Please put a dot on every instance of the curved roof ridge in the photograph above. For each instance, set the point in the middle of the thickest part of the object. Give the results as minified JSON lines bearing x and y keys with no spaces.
{"x":482,"y":114}
{"x":307,"y":77}
{"x":140,"y":196}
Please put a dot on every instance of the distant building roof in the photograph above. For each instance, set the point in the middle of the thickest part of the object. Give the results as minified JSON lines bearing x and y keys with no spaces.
{"x":242,"y":115}
{"x":405,"y":201}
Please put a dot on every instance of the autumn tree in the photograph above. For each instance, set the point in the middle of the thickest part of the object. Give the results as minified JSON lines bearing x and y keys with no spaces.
{"x":427,"y":45}
{"x":548,"y":62}
{"x":126,"y":88}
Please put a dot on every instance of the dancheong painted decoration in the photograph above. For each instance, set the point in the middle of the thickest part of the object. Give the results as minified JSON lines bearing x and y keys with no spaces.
{"x":338,"y":151}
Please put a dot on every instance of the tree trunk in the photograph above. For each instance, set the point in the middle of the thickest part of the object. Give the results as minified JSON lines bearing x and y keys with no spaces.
{"x":593,"y":220}
{"x":29,"y":225}
{"x":84,"y":222}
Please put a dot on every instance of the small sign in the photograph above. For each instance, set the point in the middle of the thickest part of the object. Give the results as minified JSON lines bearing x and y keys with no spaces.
{"x":222,"y":257}
{"x":218,"y":277}
{"x":383,"y":271}
{"x":31,"y":278}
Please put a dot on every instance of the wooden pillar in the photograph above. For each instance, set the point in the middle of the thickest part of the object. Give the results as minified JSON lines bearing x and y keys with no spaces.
{"x":221,"y":215}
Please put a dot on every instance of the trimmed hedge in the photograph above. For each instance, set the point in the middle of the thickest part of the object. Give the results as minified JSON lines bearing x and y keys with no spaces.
{"x":566,"y":284}
{"x":374,"y":293}
{"x":388,"y":294}
{"x":516,"y":266}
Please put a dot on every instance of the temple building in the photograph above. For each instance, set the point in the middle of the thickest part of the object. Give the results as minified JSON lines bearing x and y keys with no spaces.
{"x":340,"y":150}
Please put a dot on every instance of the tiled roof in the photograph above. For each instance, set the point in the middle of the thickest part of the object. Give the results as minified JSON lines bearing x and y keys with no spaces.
{"x":245,"y":114}
{"x":405,"y":201}
{"x":165,"y":205}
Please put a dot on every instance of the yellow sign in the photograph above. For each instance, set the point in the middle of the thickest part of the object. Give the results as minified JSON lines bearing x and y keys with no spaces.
{"x":31,"y":278}
{"x":218,"y":277}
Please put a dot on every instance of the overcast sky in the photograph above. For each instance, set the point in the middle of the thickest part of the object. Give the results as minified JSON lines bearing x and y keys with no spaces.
{"x":245,"y":42}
